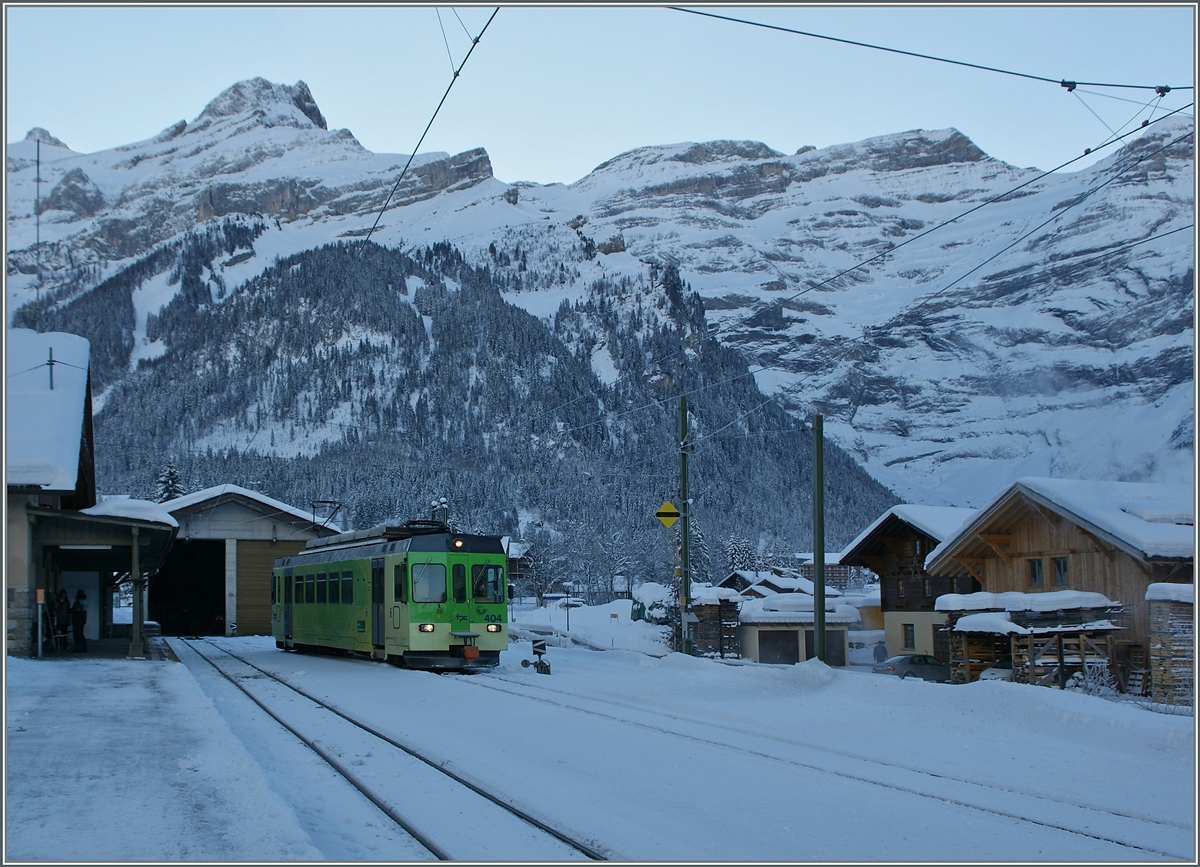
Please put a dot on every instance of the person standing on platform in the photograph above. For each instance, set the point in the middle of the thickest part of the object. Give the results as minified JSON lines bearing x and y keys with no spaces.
{"x":78,"y":619}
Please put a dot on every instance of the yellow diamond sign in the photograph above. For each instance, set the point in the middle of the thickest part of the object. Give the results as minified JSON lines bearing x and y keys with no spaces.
{"x":667,"y":513}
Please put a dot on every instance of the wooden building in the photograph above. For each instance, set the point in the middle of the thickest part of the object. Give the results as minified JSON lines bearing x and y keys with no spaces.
{"x":59,"y":534}
{"x":1111,"y":538}
{"x":894,"y":547}
{"x":217,"y":580}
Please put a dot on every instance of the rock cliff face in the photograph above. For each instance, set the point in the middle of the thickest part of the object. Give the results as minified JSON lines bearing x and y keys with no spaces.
{"x":958,"y":321}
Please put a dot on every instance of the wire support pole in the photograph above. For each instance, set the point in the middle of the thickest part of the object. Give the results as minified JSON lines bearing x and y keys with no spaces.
{"x":818,"y":463}
{"x":685,"y":570}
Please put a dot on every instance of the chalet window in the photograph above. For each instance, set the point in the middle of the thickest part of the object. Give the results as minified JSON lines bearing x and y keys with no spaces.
{"x":1035,"y":573}
{"x":927,"y":588}
{"x":910,"y":636}
{"x":1060,"y":571}
{"x":900,"y":587}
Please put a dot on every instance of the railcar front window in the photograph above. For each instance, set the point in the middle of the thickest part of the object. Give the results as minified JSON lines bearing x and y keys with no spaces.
{"x":429,"y":582}
{"x":487,"y":582}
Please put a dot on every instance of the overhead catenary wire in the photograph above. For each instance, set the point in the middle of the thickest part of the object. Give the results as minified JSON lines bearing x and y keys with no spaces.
{"x":1062,"y":82}
{"x":425,"y":132}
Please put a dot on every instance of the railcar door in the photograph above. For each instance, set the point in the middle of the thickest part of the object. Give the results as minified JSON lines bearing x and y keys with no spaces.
{"x":377,"y":604}
{"x":287,"y":603}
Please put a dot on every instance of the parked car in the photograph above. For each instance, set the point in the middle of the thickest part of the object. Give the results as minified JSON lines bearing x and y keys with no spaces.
{"x":1002,"y":670}
{"x":915,"y":665}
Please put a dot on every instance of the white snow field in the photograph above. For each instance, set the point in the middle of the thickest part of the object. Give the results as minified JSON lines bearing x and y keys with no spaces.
{"x":644,"y":754}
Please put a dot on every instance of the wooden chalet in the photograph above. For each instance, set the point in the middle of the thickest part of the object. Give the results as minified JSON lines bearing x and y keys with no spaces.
{"x":894,"y":547}
{"x":1108,"y":538}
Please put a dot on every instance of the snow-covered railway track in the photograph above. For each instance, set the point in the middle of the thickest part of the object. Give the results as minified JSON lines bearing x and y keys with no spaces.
{"x":1136,"y":833}
{"x":450,"y":815}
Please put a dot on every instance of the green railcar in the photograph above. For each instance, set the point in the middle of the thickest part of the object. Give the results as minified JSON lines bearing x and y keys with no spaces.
{"x":419,"y":595}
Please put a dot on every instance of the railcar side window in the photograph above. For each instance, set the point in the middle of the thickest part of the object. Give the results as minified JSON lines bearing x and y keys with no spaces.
{"x":310,"y":588}
{"x":429,"y":582}
{"x":321,"y":588}
{"x":274,"y":584}
{"x":299,"y":589}
{"x":487,"y":582}
{"x":460,"y":582}
{"x":398,"y":584}
{"x":334,"y":585}
{"x":347,"y":587}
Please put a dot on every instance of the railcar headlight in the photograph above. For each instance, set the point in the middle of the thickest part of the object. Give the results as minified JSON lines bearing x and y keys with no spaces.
{"x":425,"y":627}
{"x":458,"y":543}
{"x":493,"y":627}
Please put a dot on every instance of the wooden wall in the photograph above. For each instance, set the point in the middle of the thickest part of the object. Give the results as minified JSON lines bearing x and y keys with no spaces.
{"x":255,"y":560}
{"x":1092,"y":565}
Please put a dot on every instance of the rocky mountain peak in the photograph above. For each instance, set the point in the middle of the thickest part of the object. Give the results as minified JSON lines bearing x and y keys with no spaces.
{"x":39,"y":134}
{"x":280,"y":104}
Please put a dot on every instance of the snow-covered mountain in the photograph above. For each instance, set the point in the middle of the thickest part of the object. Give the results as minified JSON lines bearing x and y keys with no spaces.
{"x":958,"y":321}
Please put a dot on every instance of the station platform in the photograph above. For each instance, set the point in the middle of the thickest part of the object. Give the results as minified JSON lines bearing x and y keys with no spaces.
{"x":156,"y":649}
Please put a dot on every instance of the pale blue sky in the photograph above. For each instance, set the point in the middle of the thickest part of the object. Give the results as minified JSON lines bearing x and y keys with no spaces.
{"x":551,"y":92}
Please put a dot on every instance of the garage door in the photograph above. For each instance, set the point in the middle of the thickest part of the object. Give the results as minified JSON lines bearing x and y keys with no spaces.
{"x":779,"y":646}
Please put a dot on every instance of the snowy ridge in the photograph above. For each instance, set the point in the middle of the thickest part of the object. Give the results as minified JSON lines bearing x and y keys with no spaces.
{"x":1068,"y":355}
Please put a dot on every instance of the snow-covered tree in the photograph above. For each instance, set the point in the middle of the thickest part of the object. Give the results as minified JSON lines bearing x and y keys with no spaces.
{"x":168,"y":484}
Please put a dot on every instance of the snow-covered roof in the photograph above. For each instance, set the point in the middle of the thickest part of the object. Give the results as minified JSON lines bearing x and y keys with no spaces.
{"x":712,"y":595}
{"x":127,"y":507}
{"x":863,"y":600}
{"x":1144,"y":519}
{"x":1053,"y":600}
{"x":44,"y":426}
{"x":1171,"y":593}
{"x":999,"y":622}
{"x":937,"y":522}
{"x":832,"y":558}
{"x":797,"y":583}
{"x":650,"y":592}
{"x":794,"y":608}
{"x":187,"y":500}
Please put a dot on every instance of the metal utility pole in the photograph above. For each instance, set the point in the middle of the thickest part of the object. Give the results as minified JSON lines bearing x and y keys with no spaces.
{"x":819,"y":535}
{"x":685,"y":577}
{"x":137,"y":647}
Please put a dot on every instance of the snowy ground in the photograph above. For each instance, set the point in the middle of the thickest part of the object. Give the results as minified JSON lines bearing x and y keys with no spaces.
{"x":653,"y":756}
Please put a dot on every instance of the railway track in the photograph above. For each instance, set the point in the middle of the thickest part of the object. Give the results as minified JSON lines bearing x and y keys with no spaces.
{"x":1139,"y":834}
{"x":453,"y":817}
